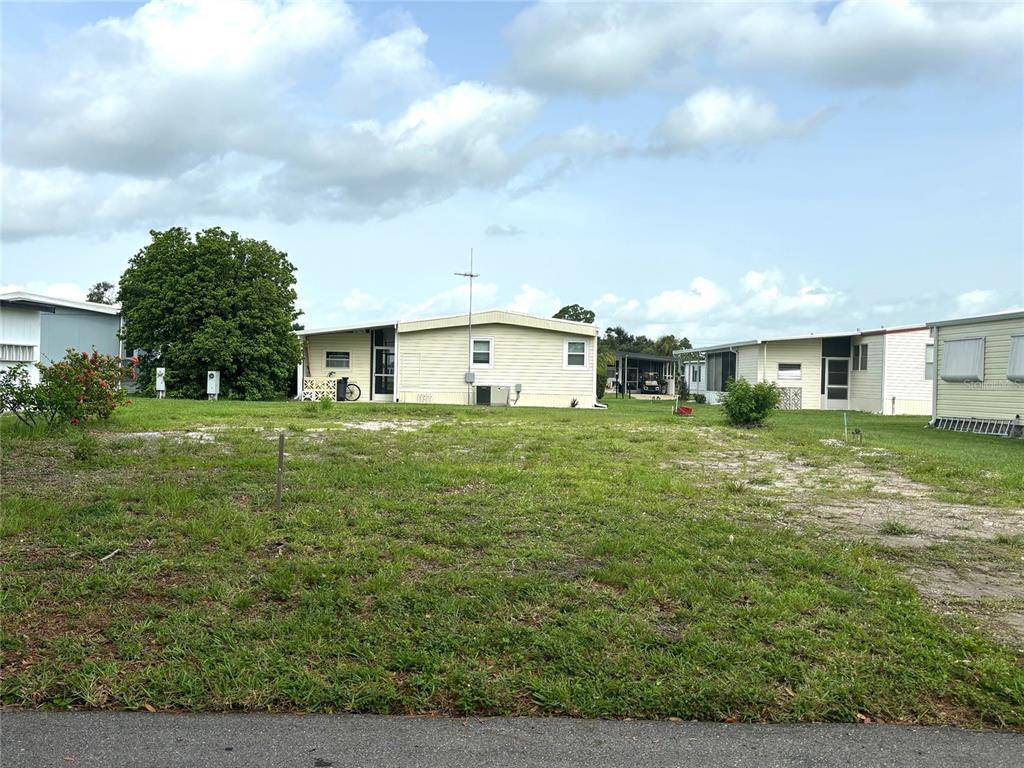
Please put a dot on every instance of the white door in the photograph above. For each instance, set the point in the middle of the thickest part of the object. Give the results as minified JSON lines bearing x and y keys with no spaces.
{"x":836,"y":384}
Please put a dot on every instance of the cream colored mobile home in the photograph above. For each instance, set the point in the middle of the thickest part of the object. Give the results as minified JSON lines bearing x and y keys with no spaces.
{"x":882,"y":370}
{"x":980,"y":366}
{"x":504,"y":358}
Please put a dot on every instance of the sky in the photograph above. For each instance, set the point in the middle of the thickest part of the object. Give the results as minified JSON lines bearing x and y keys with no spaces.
{"x":717,"y":171}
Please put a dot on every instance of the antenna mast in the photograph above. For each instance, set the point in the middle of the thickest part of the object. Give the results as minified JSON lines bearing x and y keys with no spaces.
{"x":471,"y":274}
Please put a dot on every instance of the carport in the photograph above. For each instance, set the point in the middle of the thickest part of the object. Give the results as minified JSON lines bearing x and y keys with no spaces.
{"x":632,"y":369}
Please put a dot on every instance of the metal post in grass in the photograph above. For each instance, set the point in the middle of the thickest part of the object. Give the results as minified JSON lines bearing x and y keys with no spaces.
{"x":280,"y":471}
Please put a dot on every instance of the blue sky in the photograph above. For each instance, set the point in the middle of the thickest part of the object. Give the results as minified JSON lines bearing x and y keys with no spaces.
{"x":716,"y":171}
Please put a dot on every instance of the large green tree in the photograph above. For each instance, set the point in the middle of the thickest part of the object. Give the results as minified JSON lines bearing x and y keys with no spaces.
{"x":212,"y":301}
{"x":575,"y":312}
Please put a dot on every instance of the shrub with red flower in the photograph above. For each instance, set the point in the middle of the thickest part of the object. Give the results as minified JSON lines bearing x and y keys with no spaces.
{"x":75,"y":390}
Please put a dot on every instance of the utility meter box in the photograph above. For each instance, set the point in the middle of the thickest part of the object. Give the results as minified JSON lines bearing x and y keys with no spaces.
{"x":161,"y":385}
{"x":470,"y":377}
{"x":212,"y":384}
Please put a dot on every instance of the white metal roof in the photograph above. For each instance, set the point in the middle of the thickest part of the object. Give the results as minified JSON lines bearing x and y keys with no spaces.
{"x":489,"y":316}
{"x":24,"y":297}
{"x":1009,"y":314}
{"x":801,"y":337}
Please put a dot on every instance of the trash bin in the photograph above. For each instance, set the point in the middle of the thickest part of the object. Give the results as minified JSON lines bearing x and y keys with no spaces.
{"x":342,"y":388}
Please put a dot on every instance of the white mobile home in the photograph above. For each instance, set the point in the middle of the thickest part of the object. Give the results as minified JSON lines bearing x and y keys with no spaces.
{"x":980,"y":381}
{"x":504,"y":358}
{"x":36,"y":328}
{"x":882,"y":370}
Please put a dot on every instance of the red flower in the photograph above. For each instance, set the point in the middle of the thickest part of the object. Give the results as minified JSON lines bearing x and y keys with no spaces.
{"x":85,"y":355}
{"x":74,"y":421}
{"x":135,"y":359}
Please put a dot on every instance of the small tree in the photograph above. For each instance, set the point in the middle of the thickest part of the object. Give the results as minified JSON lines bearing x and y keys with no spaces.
{"x":102,"y":293}
{"x":749,"y":405}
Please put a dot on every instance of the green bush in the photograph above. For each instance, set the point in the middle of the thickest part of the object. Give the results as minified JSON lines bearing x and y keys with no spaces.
{"x":700,"y":399}
{"x":749,"y":405}
{"x":75,"y":390}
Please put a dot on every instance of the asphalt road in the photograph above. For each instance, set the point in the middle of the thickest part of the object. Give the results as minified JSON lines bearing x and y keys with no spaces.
{"x":112,"y":740}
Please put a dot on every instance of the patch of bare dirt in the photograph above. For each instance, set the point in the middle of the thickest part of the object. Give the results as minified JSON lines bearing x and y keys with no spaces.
{"x":856,"y":501}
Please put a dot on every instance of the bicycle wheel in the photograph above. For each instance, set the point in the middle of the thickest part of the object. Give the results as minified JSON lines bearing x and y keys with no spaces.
{"x":353,"y":392}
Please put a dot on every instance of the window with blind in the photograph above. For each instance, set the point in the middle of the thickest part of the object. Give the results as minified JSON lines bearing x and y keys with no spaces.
{"x":929,"y":362}
{"x":483,"y":353}
{"x":963,"y":360}
{"x":575,"y":354}
{"x":1015,"y":366}
{"x":790,"y":371}
{"x":16,"y":353}
{"x":338,"y":360}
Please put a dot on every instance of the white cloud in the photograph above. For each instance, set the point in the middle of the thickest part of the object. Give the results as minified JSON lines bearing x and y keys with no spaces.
{"x":452,"y":301}
{"x":700,"y":298}
{"x":72,"y":291}
{"x":604,"y":49}
{"x":534,"y":301}
{"x":394,"y":64}
{"x":359,"y":300}
{"x":503,"y":230}
{"x":722,"y":116}
{"x":976,"y":302}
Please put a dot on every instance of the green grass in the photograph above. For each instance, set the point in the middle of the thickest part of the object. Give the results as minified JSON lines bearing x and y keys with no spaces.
{"x":896,"y":528}
{"x":494,"y":562}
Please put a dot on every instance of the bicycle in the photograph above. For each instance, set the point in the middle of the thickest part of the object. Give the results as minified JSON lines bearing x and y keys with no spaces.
{"x":353,"y":392}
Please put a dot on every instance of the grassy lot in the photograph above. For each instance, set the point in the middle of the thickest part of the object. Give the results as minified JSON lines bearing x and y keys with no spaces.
{"x":478,"y":561}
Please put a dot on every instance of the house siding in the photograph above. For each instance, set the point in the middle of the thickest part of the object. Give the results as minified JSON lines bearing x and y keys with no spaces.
{"x":432,"y":363}
{"x":807,"y":352}
{"x":69,"y":328}
{"x":996,"y":397}
{"x":747,"y":363}
{"x":356,"y":343}
{"x":866,"y":385}
{"x":906,"y":391}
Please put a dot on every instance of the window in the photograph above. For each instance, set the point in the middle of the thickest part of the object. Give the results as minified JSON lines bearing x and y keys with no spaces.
{"x":790,"y":371}
{"x":929,"y":362}
{"x":575,"y":354}
{"x":695,"y":373}
{"x":483,"y":352}
{"x":338,"y":360}
{"x":963,"y":360}
{"x":1015,"y":367}
{"x":16,"y":353}
{"x":860,"y":357}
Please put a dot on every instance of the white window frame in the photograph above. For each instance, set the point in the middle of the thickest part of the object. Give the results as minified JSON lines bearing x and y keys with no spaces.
{"x":695,"y":374}
{"x":929,"y":364}
{"x":490,"y":353}
{"x":586,"y":355}
{"x":346,"y":367}
{"x":1016,"y":350}
{"x":961,"y":376}
{"x":788,"y":375}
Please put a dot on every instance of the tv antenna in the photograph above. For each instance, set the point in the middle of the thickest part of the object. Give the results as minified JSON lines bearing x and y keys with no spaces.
{"x":469,"y":370}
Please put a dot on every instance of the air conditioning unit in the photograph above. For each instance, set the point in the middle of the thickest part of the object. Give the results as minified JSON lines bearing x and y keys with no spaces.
{"x":493,"y":396}
{"x":500,"y":395}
